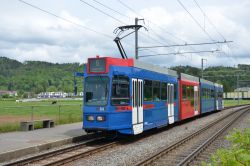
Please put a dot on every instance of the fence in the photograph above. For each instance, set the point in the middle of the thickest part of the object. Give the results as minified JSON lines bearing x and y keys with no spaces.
{"x":11,"y":116}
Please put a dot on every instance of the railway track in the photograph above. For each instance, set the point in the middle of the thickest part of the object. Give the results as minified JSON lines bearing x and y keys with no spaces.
{"x":69,"y":154}
{"x":81,"y":150}
{"x":203,"y":151}
{"x":188,"y":149}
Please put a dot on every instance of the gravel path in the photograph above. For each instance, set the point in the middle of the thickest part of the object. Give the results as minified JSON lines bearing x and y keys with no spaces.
{"x":132,"y":153}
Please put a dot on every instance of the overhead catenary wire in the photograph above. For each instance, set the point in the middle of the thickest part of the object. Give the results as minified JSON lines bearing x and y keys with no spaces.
{"x":102,"y":12}
{"x":69,"y":21}
{"x":199,"y":25}
{"x":116,"y":19}
{"x":135,"y":12}
{"x":131,"y":9}
{"x":209,"y":20}
{"x":124,"y":16}
{"x":177,"y":53}
{"x":187,"y":44}
{"x":66,"y":20}
{"x":163,"y":29}
{"x":158,"y":35}
{"x":112,"y":9}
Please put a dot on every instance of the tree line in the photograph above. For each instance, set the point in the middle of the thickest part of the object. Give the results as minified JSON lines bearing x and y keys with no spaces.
{"x":38,"y":76}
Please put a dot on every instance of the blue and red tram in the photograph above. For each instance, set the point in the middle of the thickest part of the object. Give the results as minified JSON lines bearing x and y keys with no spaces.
{"x":129,"y":96}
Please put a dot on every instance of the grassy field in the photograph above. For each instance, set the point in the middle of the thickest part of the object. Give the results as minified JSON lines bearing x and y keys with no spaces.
{"x":228,"y":103}
{"x":12,"y":112}
{"x":63,"y":112}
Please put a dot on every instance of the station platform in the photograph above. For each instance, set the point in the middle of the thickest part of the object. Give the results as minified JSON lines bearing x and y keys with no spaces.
{"x":17,"y":144}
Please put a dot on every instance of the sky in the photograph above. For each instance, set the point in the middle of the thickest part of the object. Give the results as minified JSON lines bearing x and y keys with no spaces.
{"x":77,"y":31}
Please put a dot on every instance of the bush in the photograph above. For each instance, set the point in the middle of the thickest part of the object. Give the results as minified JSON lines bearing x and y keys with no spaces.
{"x":238,"y":154}
{"x":5,"y":96}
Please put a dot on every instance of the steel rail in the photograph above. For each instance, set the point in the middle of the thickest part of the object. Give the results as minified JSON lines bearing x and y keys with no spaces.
{"x":167,"y":149}
{"x":203,"y":146}
{"x":81,"y":155}
{"x":44,"y":156}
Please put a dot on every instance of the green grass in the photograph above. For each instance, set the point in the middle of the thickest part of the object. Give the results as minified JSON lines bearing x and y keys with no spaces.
{"x":228,"y":103}
{"x":7,"y":127}
{"x":63,"y":112}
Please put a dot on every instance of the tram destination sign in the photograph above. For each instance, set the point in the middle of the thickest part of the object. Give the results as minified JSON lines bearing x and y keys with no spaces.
{"x":97,"y":65}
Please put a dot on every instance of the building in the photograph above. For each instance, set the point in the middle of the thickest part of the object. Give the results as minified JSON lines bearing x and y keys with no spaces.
{"x":10,"y":93}
{"x":57,"y":95}
{"x":242,"y":93}
{"x":243,"y":89}
{"x":52,"y":95}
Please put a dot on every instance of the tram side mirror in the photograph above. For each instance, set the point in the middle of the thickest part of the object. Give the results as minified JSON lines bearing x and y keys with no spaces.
{"x":89,"y":96}
{"x":117,"y":89}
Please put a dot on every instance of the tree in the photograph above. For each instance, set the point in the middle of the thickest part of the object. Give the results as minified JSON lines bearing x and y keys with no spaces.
{"x":52,"y":89}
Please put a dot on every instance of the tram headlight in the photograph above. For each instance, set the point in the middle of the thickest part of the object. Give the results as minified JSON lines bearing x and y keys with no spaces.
{"x":90,"y":118}
{"x":100,"y":118}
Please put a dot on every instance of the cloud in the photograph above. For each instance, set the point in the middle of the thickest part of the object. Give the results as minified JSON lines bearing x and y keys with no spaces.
{"x":36,"y":36}
{"x":181,"y":25}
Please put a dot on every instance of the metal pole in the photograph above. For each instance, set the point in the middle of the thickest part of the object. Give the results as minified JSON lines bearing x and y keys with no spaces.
{"x":32,"y":113}
{"x":238,"y":93}
{"x":136,"y":38}
{"x":59,"y":114}
{"x":201,"y":67}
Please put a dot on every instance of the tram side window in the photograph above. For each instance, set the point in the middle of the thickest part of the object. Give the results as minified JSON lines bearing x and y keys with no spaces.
{"x":204,"y":93}
{"x":156,"y":91}
{"x":164,"y":91}
{"x":188,"y":92}
{"x":209,"y":93}
{"x":184,"y":92}
{"x":206,"y":90}
{"x":120,"y":90}
{"x":175,"y":91}
{"x":191,"y":92}
{"x":212,"y":93}
{"x":148,"y":90}
{"x":191,"y":95}
{"x":220,"y":95}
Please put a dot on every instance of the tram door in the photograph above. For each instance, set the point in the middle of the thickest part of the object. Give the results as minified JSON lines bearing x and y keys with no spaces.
{"x":170,"y":101}
{"x":137,"y":105}
{"x":196,"y":100}
{"x":216,"y":100}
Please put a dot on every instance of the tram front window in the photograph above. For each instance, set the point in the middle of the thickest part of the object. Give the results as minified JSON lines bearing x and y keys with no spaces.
{"x":96,"y":90}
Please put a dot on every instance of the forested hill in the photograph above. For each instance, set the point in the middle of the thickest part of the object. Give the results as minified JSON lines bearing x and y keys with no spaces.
{"x":36,"y":76}
{"x":221,"y":74}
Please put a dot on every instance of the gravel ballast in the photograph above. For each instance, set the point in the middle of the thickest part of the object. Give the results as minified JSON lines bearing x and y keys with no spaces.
{"x":129,"y":154}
